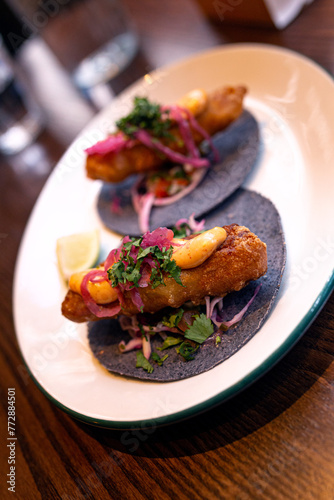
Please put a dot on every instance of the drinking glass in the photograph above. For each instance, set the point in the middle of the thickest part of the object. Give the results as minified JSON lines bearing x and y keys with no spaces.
{"x":21,"y":119}
{"x":95,"y":40}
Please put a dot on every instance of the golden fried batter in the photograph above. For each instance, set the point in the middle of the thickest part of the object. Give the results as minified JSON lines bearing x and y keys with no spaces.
{"x":223,"y":106}
{"x":240,"y":259}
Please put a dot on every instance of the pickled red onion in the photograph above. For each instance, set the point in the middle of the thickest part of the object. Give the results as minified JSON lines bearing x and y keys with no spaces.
{"x":215,"y":315}
{"x":160,"y":237}
{"x":240,"y":314}
{"x":194,"y":226}
{"x":98,"y":310}
{"x":185,"y":131}
{"x":145,"y":138}
{"x":135,"y":343}
{"x":143,"y":204}
{"x":196,"y":126}
{"x":112,"y":144}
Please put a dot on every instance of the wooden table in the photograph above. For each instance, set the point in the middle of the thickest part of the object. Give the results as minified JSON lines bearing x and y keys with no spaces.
{"x":275,"y":440}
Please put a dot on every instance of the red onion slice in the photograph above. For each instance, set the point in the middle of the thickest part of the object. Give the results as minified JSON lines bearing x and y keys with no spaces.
{"x":238,"y":317}
{"x":112,"y":144}
{"x":185,"y":131}
{"x":145,"y":138}
{"x":112,"y":257}
{"x":210,"y":305}
{"x":193,"y":225}
{"x":143,"y":204}
{"x":136,"y":298}
{"x":145,"y":207}
{"x":131,"y":345}
{"x":240,"y":314}
{"x":196,"y":126}
{"x":160,"y":237}
{"x":105,"y":311}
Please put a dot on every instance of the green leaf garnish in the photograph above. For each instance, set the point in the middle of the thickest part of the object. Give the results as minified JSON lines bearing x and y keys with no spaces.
{"x":218,"y":340}
{"x":200,"y":330}
{"x":169,"y":342}
{"x":181,"y":231}
{"x":128,"y":269}
{"x":173,"y":319}
{"x":187,"y":350}
{"x":157,"y":358}
{"x":145,"y":115}
{"x":142,"y":362}
{"x":184,"y":230}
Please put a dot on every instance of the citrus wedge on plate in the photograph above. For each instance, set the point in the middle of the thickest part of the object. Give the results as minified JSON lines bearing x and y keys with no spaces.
{"x":77,"y":252}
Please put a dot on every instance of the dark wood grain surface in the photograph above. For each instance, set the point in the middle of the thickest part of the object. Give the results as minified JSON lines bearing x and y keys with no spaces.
{"x":275,"y":440}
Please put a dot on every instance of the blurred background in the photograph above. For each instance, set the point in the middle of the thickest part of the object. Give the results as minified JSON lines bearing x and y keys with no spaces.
{"x":64,"y":60}
{"x":81,"y":53}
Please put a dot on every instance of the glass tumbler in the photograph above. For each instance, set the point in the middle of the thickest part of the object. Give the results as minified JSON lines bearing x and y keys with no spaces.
{"x":21,"y":119}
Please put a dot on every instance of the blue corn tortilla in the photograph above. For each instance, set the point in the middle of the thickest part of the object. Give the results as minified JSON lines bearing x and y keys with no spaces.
{"x":246,"y":208}
{"x":238,"y":148}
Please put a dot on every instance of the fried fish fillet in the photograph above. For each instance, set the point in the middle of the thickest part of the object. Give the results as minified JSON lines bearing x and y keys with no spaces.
{"x":221,"y":108}
{"x":240,"y":259}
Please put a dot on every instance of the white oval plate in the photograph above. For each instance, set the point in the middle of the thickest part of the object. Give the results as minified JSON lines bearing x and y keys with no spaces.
{"x":293,"y":100}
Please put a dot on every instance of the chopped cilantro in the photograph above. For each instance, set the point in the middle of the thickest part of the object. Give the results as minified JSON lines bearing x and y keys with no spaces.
{"x":157,"y":358}
{"x":169,"y":342}
{"x":165,"y":264}
{"x":200,"y":330}
{"x":128,"y":269}
{"x":141,"y":329}
{"x":187,"y":350}
{"x":181,"y":231}
{"x":174,"y":319}
{"x":145,"y":115}
{"x":142,"y":362}
{"x":184,"y":230}
{"x":180,"y":173}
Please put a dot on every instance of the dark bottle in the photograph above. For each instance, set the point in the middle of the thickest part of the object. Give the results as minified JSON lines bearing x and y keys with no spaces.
{"x":13,"y":31}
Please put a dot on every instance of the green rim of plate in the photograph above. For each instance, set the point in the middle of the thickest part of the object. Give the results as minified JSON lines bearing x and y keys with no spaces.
{"x":223,"y":396}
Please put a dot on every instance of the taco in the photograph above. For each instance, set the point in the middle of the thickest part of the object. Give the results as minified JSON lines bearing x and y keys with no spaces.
{"x":200,"y":312}
{"x":131,"y":206}
{"x":152,"y":134}
{"x":175,"y":151}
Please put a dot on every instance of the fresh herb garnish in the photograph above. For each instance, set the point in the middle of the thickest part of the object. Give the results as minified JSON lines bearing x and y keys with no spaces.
{"x":184,"y":230}
{"x":187,"y":350}
{"x":145,"y":115}
{"x":169,"y":342}
{"x":157,"y":358}
{"x":173,"y":319}
{"x":129,"y":267}
{"x":142,"y":362}
{"x":200,"y":330}
{"x":181,"y":231}
{"x":218,"y":340}
{"x":166,"y":264}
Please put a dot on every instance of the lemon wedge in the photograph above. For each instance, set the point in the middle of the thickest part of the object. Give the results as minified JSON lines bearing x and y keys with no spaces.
{"x":77,"y":252}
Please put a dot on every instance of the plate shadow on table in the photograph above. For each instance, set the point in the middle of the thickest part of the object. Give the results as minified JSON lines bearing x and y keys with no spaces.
{"x":258,"y":405}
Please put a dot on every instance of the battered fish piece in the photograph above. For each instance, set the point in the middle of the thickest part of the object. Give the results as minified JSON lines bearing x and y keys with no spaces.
{"x":219,"y":109}
{"x":241,"y":258}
